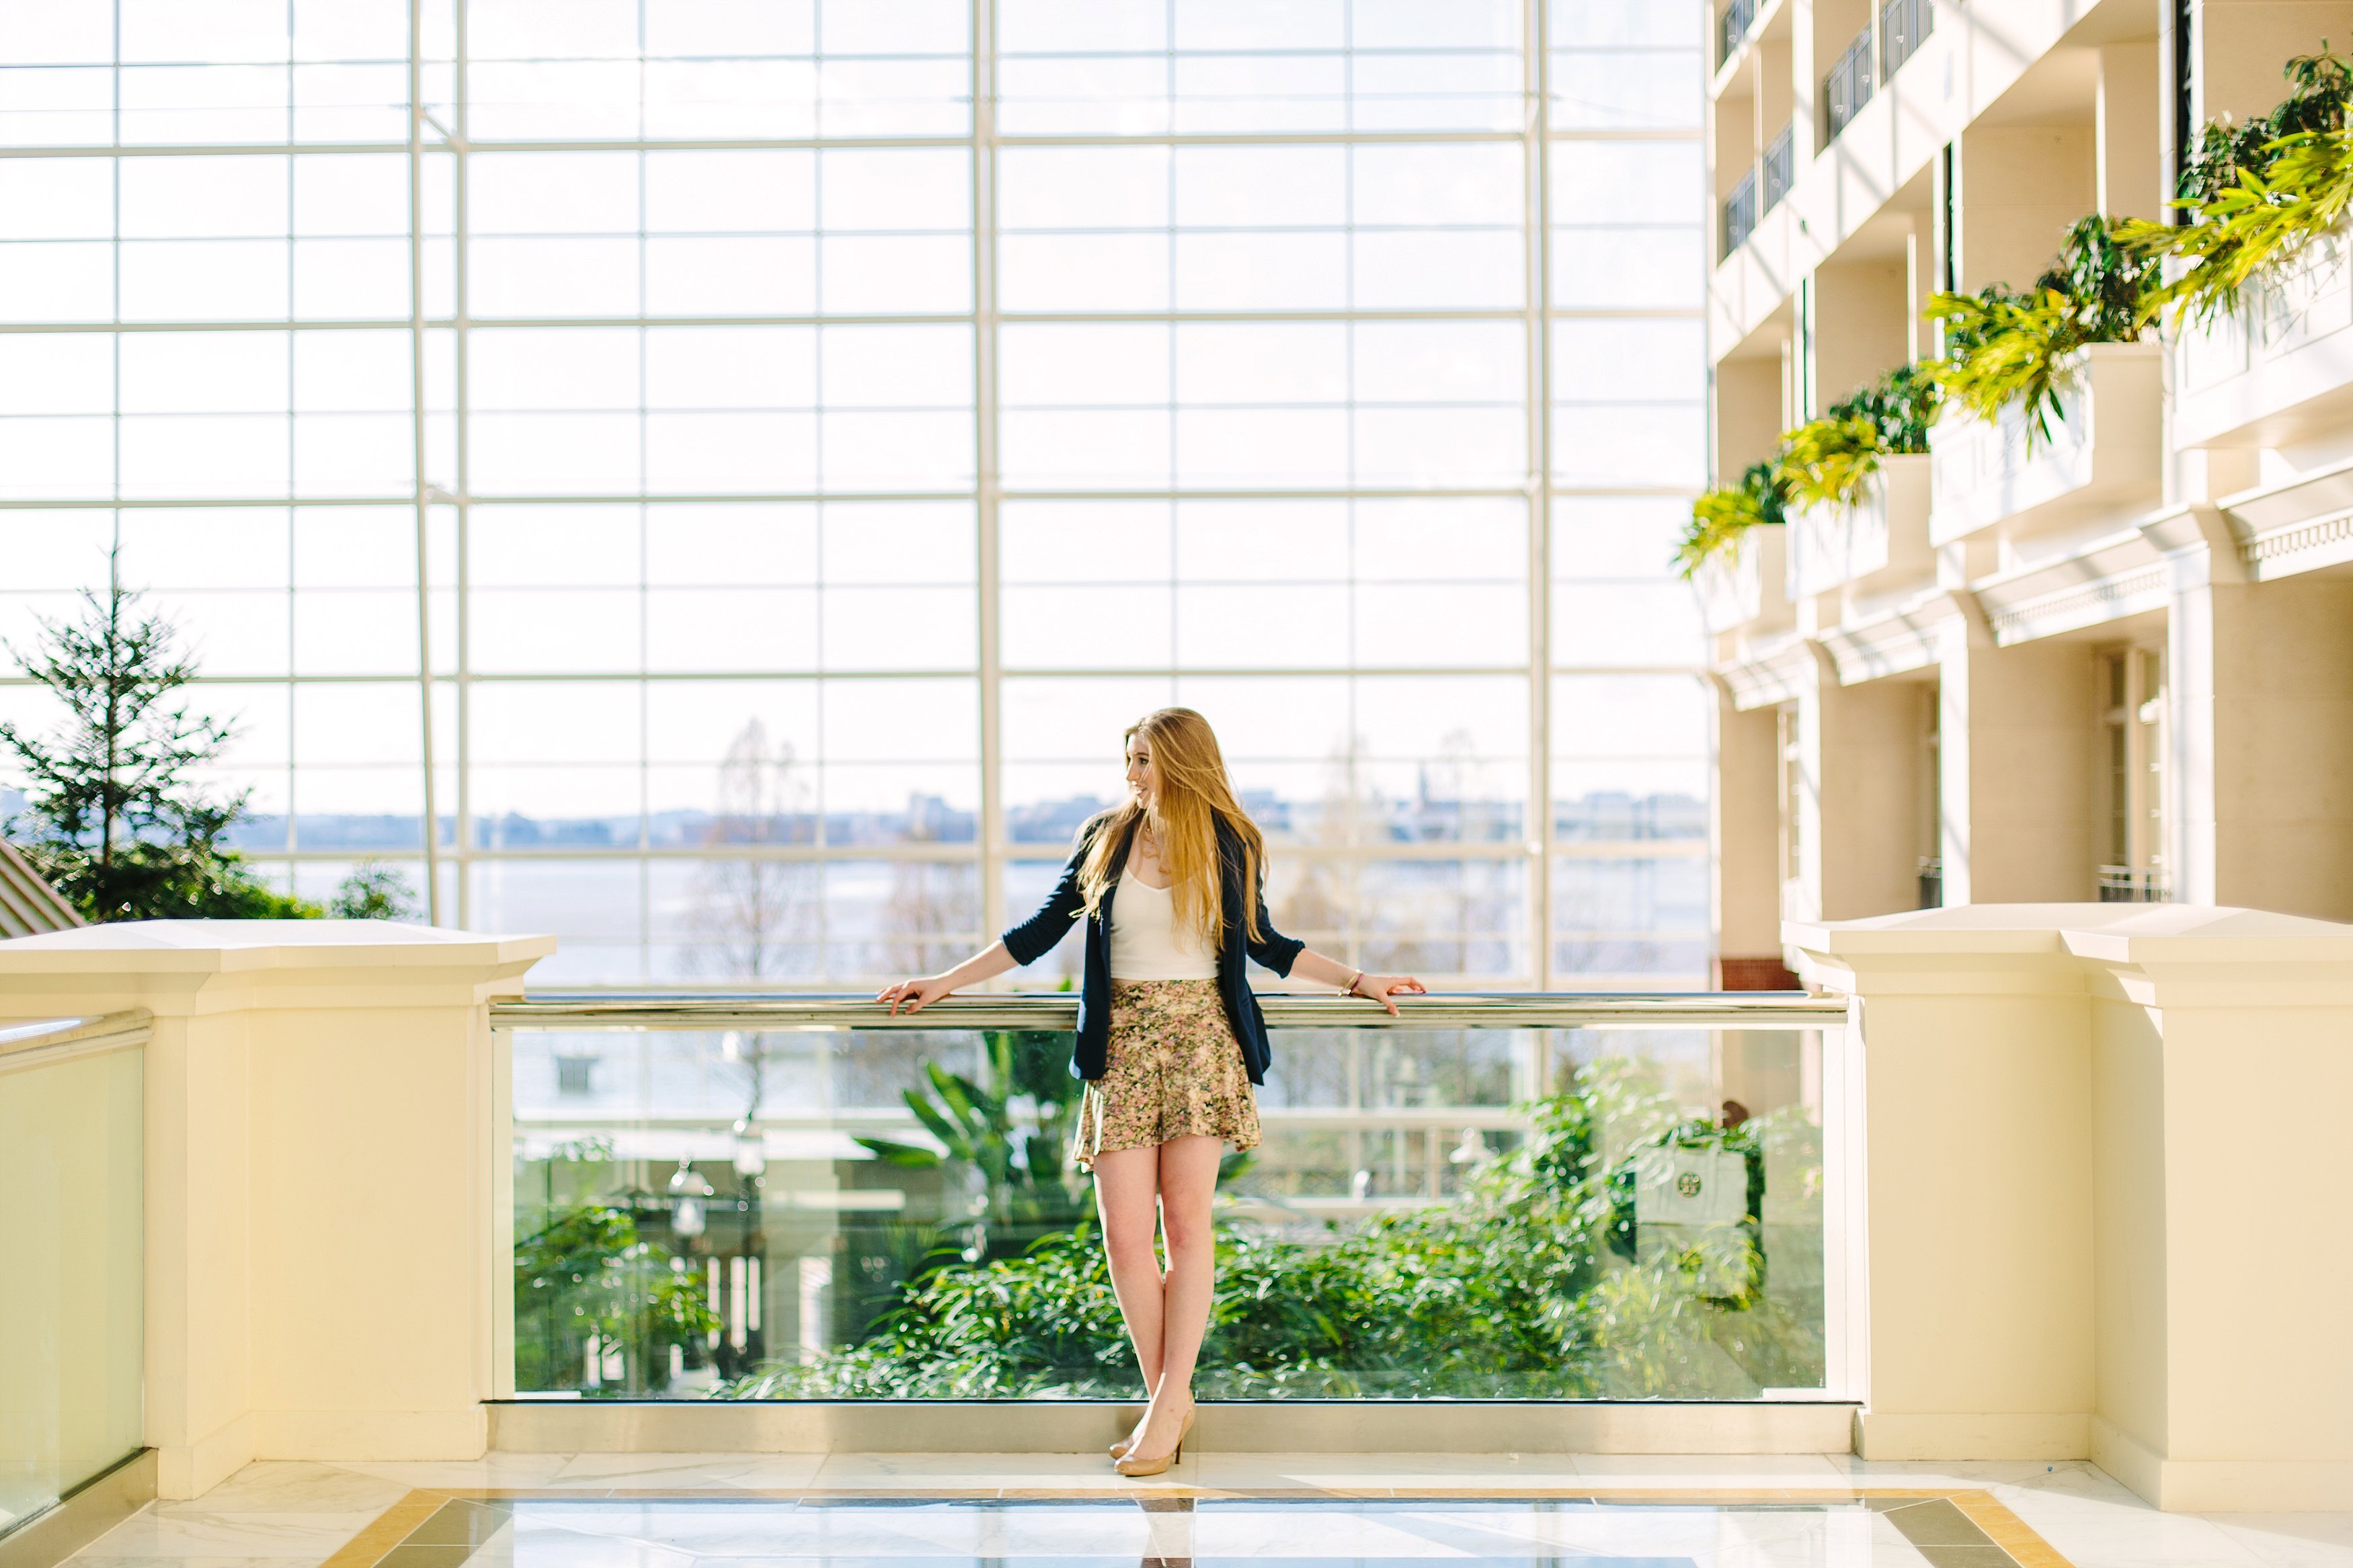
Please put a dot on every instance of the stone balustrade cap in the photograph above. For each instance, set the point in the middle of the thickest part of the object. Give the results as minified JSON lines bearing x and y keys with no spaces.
{"x":196,"y":946}
{"x":2119,"y":933}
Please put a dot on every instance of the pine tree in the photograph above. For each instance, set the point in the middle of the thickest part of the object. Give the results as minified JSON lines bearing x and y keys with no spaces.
{"x":112,"y":817}
{"x":374,"y":891}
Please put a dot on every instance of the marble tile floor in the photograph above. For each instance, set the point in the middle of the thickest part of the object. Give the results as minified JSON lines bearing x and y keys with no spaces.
{"x":858,"y":1511}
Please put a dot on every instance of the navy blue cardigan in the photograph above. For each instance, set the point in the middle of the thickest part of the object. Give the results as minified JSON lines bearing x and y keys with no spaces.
{"x":1035,"y":937}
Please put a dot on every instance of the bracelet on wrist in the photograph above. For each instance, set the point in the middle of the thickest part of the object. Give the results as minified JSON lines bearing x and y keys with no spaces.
{"x":1350,"y":989}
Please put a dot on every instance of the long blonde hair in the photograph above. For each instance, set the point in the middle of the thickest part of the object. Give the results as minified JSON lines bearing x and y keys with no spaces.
{"x":1193,"y":798}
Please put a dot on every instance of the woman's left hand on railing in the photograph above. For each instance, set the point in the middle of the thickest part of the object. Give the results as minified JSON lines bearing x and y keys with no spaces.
{"x":915,"y":993}
{"x":1381,"y":987}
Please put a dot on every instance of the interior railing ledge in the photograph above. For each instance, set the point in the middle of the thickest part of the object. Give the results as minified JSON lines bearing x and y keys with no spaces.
{"x":1059,"y":1010}
{"x":50,"y":1040}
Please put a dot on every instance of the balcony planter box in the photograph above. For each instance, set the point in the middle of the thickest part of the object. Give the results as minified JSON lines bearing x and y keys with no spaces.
{"x":2104,"y":457}
{"x":1863,"y":551}
{"x":2279,"y":370}
{"x":1742,"y":588}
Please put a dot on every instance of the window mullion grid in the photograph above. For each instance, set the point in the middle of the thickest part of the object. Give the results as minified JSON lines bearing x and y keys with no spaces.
{"x":986,"y":497}
{"x":1536,"y":123}
{"x":432,"y":823}
{"x":462,"y":240}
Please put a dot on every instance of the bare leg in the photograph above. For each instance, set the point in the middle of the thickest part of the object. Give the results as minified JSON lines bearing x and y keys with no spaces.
{"x":1188,"y":1181}
{"x":1125,"y":1181}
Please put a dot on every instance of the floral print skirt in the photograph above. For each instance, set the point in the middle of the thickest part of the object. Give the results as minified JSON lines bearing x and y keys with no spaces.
{"x":1175,"y":1071}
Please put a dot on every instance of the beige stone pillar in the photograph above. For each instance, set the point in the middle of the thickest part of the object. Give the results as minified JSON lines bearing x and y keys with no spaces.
{"x":328,"y":1179}
{"x":2258,"y":749}
{"x":1860,"y":760}
{"x":1748,"y":415}
{"x":2241,"y":45}
{"x":1746,"y":832}
{"x":2016,"y":751}
{"x":2095,"y":1215}
{"x":1861,"y":327}
{"x":2128,"y":132}
{"x":2016,"y":190}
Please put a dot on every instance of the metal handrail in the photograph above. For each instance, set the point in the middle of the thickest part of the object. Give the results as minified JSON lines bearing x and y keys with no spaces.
{"x":1059,"y":1010}
{"x":48,"y":1040}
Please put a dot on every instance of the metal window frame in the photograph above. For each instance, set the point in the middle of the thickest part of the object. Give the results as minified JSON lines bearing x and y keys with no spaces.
{"x":1539,"y":487}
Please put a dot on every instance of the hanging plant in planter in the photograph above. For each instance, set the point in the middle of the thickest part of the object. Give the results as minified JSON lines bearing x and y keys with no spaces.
{"x":2004,"y":347}
{"x":1901,"y":406}
{"x":2258,"y":195}
{"x":1720,"y":517}
{"x":1828,"y":461}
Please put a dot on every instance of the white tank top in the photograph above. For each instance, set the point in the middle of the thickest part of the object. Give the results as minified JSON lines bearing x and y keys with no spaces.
{"x":1144,"y":942}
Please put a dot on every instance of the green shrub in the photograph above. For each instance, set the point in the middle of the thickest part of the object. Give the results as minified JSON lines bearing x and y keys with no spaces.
{"x":1719,"y":517}
{"x":2257,"y":194}
{"x":2003,"y":347}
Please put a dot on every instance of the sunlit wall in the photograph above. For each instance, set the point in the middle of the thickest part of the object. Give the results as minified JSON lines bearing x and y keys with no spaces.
{"x":838,"y":419}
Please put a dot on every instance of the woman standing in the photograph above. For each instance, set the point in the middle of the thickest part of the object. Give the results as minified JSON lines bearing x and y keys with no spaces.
{"x":1171,"y":885}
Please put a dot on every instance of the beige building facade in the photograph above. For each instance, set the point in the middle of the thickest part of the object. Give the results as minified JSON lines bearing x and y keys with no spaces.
{"x":2116,"y":664}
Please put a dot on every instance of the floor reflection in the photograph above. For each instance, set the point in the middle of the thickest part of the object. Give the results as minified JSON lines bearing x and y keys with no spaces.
{"x":743,"y":1532}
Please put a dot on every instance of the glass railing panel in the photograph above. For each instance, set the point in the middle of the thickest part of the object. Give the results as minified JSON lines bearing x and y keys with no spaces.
{"x":693,"y":1206}
{"x":1903,"y":26}
{"x":71,"y":1346}
{"x":1464,"y":1212}
{"x":1740,"y":212}
{"x":1533,"y":1214}
{"x":1780,"y":167}
{"x":1732,"y":26}
{"x":1848,"y":87}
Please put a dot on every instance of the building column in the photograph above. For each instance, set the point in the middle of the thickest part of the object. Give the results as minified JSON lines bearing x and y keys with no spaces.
{"x":2015,"y":755}
{"x":2259,"y":743}
{"x":1858,"y":793}
{"x":1746,"y":826}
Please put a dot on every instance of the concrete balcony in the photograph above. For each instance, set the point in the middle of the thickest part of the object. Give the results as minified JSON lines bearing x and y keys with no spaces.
{"x":1864,"y":578}
{"x":1865,"y":553}
{"x":1752,"y":627}
{"x":1977,"y":53}
{"x":1744,"y":588}
{"x":2016,"y":502}
{"x":2277,"y":371}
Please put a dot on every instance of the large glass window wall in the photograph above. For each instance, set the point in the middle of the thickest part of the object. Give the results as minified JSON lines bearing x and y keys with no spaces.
{"x":734,"y":469}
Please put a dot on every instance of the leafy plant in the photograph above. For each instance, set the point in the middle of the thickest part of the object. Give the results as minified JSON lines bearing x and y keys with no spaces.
{"x":1719,"y":517}
{"x":1900,"y":406}
{"x":2258,"y":195}
{"x":2005,"y":348}
{"x":114,"y":818}
{"x":2319,"y":88}
{"x":374,"y":891}
{"x":586,"y":1273}
{"x":1007,"y":1131}
{"x":1828,"y":461}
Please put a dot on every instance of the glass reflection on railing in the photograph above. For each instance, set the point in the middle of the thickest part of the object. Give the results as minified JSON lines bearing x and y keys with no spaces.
{"x":1483,"y":1213}
{"x":71,"y":1301}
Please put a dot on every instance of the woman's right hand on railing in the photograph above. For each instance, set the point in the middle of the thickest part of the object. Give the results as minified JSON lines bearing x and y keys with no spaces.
{"x":915,"y":993}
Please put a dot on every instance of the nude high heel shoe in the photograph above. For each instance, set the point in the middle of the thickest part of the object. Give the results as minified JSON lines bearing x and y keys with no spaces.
{"x":1127,"y":1466}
